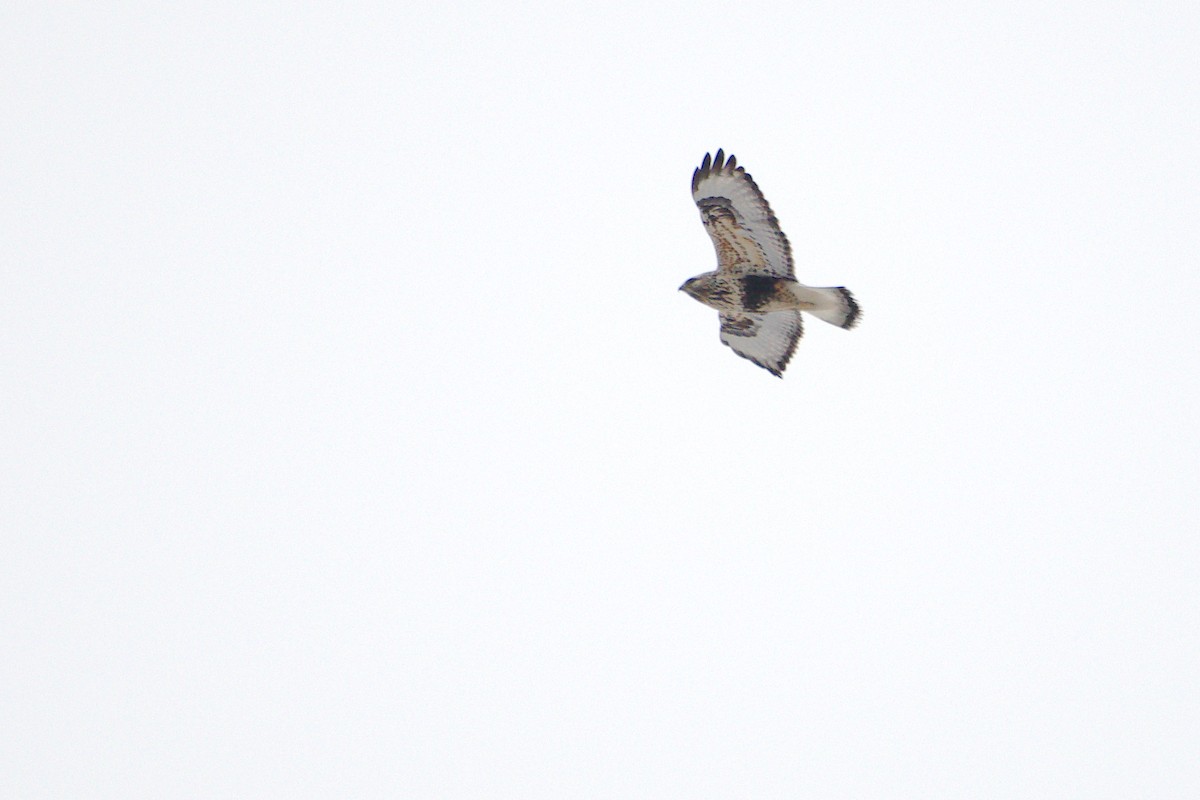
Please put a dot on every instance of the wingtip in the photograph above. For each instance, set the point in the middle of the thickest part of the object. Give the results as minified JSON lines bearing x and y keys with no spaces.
{"x":718,"y":162}
{"x":779,"y":366}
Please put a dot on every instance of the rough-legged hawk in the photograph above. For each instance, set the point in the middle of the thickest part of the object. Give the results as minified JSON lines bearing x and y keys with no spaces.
{"x":754,"y":285}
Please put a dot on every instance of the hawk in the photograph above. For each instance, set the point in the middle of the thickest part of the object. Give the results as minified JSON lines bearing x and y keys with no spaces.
{"x":754,"y":285}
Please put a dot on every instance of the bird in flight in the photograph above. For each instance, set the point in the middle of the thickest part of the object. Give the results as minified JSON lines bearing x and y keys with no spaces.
{"x":754,"y":286}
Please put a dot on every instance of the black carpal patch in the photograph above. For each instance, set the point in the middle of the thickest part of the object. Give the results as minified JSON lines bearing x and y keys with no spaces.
{"x":738,"y":325}
{"x":714,"y":202}
{"x":714,"y":209}
{"x":757,"y":290}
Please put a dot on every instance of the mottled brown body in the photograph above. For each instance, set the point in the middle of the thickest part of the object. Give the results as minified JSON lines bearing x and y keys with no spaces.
{"x":747,"y":293}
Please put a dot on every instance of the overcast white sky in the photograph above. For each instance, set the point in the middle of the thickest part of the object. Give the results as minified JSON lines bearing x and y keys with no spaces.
{"x":357,"y":443}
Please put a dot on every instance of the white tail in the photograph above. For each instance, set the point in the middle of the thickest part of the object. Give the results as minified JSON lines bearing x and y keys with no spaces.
{"x":833,"y":304}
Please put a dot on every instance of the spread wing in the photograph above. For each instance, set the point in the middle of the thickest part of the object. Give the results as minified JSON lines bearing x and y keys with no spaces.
{"x":738,"y":219}
{"x":766,"y":339}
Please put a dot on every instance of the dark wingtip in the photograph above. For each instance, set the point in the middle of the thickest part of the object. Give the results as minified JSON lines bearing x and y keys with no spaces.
{"x":776,"y":371}
{"x":718,"y":162}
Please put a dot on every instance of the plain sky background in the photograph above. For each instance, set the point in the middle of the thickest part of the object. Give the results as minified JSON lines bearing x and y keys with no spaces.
{"x":357,"y":443}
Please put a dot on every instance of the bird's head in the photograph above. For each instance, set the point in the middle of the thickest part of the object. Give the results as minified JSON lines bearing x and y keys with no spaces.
{"x":694,"y":287}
